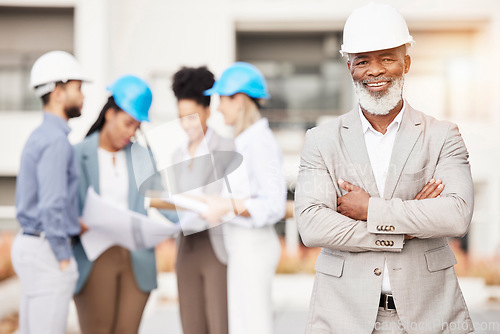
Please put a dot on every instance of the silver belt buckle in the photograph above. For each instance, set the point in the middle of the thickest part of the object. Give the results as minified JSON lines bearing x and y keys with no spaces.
{"x":386,"y":302}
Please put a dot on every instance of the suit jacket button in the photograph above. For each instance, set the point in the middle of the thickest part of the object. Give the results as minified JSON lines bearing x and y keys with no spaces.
{"x":393,"y":228}
{"x":377,"y":272}
{"x":377,"y":242}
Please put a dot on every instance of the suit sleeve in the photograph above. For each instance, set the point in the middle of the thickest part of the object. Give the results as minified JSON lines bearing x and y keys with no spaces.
{"x":446,"y":216}
{"x":320,"y":225}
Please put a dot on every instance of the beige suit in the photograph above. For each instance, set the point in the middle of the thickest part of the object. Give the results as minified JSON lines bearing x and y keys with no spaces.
{"x":348,"y":281}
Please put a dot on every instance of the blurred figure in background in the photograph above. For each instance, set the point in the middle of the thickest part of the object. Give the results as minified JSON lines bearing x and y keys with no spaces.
{"x":113,"y":290}
{"x":201,"y":258}
{"x":257,"y":195}
{"x":46,"y":200}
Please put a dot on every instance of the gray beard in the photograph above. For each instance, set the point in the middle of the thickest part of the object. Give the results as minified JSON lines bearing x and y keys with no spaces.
{"x":380,"y":103}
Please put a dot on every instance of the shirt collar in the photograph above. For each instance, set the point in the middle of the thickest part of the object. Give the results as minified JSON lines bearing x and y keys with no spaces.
{"x":365,"y":125}
{"x":57,"y":121}
{"x":244,"y":138}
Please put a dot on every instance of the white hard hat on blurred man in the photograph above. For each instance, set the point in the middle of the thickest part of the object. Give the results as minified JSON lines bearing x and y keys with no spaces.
{"x":375,"y":27}
{"x":53,"y":67}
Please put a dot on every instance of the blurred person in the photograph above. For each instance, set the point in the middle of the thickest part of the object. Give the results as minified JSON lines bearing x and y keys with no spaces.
{"x":112,"y":291}
{"x":46,"y":199}
{"x":257,"y":195}
{"x":201,"y":259}
{"x":385,"y":264}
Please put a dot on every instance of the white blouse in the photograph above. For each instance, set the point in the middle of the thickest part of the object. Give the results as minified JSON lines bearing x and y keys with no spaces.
{"x":259,"y":178}
{"x":113,"y":177}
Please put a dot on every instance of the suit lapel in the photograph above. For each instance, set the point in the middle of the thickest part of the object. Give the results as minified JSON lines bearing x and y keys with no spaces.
{"x":353,"y":138}
{"x":91,"y":162}
{"x":410,"y":130}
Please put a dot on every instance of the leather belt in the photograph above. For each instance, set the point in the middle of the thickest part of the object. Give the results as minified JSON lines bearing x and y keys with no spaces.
{"x":387,"y":302}
{"x":33,"y":234}
{"x":73,"y":238}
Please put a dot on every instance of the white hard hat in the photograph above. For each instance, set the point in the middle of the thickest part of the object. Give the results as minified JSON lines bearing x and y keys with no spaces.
{"x":375,"y":27}
{"x":52,"y":67}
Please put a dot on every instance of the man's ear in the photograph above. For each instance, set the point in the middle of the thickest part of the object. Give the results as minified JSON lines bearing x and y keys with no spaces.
{"x":57,"y":94}
{"x":407,"y":63}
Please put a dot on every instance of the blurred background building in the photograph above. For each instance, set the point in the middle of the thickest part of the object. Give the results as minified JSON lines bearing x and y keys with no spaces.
{"x":455,"y":71}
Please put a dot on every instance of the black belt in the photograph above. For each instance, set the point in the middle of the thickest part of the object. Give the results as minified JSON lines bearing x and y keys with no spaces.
{"x":33,"y":234}
{"x":387,"y":302}
{"x":73,"y":238}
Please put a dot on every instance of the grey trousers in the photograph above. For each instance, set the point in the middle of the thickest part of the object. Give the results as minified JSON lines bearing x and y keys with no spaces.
{"x":46,"y":290}
{"x":388,"y":322}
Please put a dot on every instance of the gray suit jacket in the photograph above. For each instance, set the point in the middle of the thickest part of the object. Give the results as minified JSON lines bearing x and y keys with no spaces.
{"x":205,"y":175}
{"x":347,"y":288}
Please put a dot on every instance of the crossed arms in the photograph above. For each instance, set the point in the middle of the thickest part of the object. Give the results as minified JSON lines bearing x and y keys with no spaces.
{"x":351,"y":222}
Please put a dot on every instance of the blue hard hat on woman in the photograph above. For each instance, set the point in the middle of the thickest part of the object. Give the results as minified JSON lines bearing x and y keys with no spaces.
{"x":241,"y":77}
{"x":132,"y":95}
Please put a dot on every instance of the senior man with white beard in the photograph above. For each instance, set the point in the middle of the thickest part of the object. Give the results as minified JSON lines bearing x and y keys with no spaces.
{"x":380,"y":189}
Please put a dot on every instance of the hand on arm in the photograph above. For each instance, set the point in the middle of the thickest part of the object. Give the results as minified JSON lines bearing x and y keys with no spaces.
{"x":355,"y":203}
{"x":432,"y":189}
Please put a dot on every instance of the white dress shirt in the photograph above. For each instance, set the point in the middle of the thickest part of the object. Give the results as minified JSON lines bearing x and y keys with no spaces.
{"x":259,"y":179}
{"x":113,"y":177}
{"x":379,"y":147}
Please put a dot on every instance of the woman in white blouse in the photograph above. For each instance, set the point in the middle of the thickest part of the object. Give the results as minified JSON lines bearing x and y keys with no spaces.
{"x":256,"y":193}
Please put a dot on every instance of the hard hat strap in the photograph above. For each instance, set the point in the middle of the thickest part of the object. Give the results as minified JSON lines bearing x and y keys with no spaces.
{"x":45,"y":89}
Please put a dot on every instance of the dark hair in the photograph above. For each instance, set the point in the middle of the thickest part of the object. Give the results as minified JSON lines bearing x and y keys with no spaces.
{"x":190,"y":83}
{"x":101,"y":119}
{"x":256,"y":101}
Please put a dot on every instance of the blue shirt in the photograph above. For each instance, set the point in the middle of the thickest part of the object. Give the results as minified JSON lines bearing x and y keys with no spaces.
{"x":47,"y":185}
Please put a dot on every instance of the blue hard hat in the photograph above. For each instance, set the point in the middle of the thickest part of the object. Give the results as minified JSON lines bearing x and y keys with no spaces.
{"x":240,"y":78}
{"x":132,"y":95}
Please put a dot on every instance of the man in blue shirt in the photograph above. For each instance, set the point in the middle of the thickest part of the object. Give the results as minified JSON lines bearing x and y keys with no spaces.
{"x":46,"y":199}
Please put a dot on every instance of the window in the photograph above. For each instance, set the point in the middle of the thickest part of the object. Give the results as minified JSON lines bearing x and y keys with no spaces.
{"x":306,"y":75}
{"x":25,"y":34}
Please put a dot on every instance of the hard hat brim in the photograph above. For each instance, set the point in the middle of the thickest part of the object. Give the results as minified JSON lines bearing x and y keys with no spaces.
{"x":210,"y":91}
{"x":345,"y":50}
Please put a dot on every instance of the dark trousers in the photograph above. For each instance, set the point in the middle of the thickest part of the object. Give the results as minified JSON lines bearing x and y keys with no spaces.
{"x":110,"y":301}
{"x":202,"y":284}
